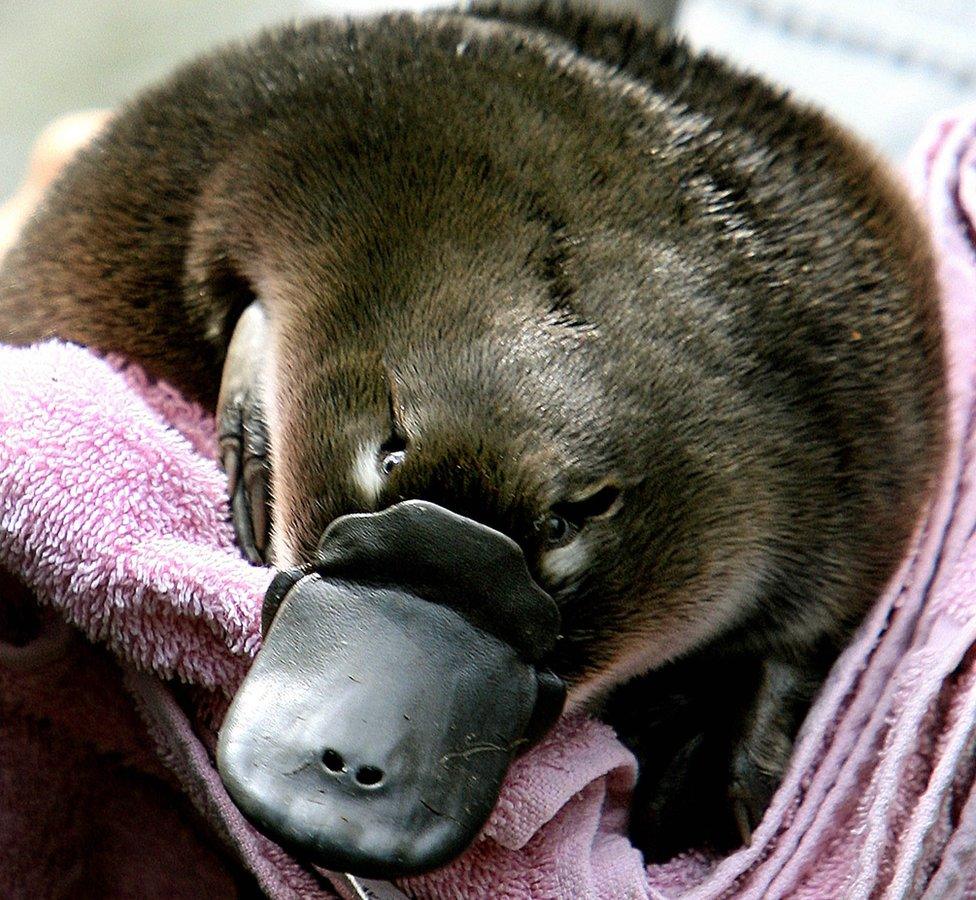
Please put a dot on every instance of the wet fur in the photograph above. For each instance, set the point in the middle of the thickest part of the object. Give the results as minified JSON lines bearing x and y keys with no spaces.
{"x":572,"y":251}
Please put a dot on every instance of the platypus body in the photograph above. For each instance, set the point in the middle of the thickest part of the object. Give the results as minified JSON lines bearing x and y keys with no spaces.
{"x":672,"y":333}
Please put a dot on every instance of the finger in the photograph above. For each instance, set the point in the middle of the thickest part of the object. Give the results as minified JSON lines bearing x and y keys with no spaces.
{"x":54,"y":148}
{"x":60,"y":141}
{"x":13,"y":214}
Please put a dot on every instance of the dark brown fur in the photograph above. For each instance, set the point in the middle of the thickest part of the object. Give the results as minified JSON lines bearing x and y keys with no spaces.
{"x":573,"y":253}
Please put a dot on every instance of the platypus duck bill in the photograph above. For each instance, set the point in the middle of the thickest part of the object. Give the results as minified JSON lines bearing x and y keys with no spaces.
{"x":400,"y":676}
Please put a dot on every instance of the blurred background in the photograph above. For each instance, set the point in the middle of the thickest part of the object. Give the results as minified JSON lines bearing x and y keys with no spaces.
{"x":883,"y":66}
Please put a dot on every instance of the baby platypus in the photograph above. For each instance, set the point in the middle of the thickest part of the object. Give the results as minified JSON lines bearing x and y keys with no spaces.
{"x":671,"y":332}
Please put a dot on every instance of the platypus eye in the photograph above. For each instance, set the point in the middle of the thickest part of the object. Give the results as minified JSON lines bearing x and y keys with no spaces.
{"x":391,"y":460}
{"x":392,"y":453}
{"x":566,"y":519}
{"x":555,"y":530}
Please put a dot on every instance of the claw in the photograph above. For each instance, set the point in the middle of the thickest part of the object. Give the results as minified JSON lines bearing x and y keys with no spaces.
{"x":750,"y":792}
{"x":741,"y":814}
{"x":241,"y":515}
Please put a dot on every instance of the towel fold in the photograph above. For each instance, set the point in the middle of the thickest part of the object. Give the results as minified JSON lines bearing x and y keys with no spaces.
{"x":112,"y":512}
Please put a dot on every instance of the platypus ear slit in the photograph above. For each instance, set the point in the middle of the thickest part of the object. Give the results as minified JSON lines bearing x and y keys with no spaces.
{"x":280,"y":585}
{"x":600,"y":503}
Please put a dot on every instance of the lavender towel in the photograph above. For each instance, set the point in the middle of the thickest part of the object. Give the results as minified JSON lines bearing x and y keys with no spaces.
{"x":112,"y":510}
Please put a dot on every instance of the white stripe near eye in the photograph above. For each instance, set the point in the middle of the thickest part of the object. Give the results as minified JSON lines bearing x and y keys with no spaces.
{"x":564,"y":563}
{"x":366,"y":475}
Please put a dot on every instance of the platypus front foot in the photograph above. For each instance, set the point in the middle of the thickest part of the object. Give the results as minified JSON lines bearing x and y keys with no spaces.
{"x":713,"y":737}
{"x":243,"y":434}
{"x":762,"y":752}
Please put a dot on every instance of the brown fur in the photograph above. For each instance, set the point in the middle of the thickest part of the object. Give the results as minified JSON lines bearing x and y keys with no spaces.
{"x":577,"y":254}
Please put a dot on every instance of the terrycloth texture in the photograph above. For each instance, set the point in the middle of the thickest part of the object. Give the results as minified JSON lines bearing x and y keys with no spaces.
{"x":77,"y":773}
{"x":118,"y":520}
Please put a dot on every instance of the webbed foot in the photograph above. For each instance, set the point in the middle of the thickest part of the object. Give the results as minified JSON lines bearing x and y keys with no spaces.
{"x":243,"y":434}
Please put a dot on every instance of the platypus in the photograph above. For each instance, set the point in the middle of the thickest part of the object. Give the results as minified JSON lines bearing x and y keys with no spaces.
{"x":668,"y":332}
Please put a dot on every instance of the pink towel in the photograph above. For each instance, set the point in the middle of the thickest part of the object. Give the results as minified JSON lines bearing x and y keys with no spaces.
{"x":112,"y":510}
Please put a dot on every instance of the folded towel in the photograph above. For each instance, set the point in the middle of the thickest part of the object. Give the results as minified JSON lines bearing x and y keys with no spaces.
{"x":112,"y":511}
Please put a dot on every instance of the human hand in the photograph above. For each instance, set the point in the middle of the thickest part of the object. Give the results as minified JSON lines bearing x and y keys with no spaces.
{"x":55,"y":146}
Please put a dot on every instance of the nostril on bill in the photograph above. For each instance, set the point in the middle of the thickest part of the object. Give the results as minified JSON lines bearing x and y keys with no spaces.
{"x":365,"y":776}
{"x":369,"y":776}
{"x":333,"y":761}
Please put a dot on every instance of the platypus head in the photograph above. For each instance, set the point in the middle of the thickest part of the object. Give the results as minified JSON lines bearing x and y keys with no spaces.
{"x":462,"y":344}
